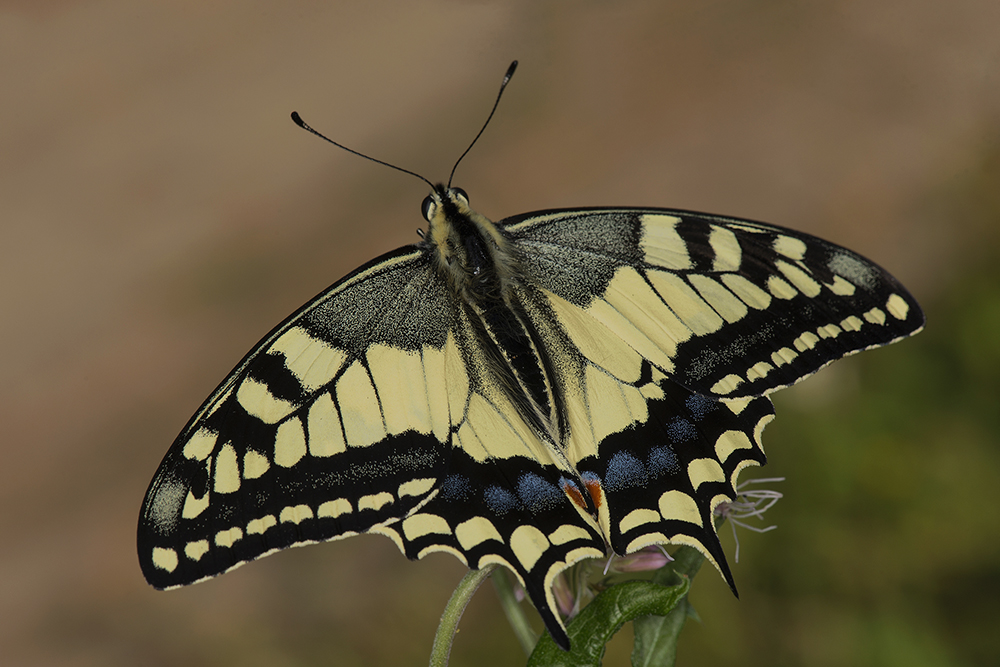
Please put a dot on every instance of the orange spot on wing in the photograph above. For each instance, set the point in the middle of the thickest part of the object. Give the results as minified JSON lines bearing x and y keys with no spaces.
{"x":573,"y":493}
{"x":595,"y":490}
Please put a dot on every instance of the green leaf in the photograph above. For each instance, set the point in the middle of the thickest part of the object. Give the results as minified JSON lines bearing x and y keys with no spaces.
{"x":603,"y":617}
{"x":656,"y":636}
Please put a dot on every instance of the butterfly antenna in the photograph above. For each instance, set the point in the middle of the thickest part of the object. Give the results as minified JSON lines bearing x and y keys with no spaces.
{"x":301,"y":123}
{"x":503,"y":84}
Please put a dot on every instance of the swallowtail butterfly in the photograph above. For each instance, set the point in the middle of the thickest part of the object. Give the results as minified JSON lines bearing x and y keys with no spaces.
{"x":531,"y":393}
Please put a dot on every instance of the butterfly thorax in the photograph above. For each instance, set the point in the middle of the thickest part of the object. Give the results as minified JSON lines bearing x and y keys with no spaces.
{"x":483,"y":271}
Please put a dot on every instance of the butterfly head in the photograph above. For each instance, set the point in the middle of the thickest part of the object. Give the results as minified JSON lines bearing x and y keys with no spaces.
{"x":440,"y":199}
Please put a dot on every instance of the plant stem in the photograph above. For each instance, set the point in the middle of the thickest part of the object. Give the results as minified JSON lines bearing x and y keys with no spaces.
{"x":445,"y":635}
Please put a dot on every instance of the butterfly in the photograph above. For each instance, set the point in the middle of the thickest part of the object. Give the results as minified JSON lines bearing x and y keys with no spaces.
{"x":529,"y":393}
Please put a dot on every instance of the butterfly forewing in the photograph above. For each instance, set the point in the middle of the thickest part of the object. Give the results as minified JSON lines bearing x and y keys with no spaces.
{"x":732,"y":308}
{"x":282,"y":454}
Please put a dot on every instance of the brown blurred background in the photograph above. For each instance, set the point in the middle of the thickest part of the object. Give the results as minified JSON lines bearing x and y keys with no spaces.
{"x":159,"y":212}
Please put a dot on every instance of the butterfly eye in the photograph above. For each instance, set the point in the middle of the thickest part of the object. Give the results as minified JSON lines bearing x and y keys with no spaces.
{"x":461,"y":194}
{"x":427,"y":208}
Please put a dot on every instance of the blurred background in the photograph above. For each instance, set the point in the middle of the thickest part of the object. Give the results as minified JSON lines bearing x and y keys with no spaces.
{"x":159,"y":213}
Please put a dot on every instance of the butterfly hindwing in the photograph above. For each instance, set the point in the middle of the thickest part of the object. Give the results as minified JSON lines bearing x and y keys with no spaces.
{"x":507,"y":511}
{"x":664,"y":477}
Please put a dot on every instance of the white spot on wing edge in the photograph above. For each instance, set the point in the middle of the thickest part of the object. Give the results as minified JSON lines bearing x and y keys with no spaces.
{"x":260,"y":526}
{"x":475,"y":531}
{"x":227,"y":470}
{"x":759,"y":370}
{"x":638,"y":517}
{"x":875,"y":316}
{"x":567,"y":533}
{"x":806,"y":341}
{"x":334,"y":508}
{"x":790,"y":247}
{"x":416,"y":487}
{"x":662,"y":245}
{"x":727,"y":385}
{"x":728,"y":254}
{"x":678,"y":505}
{"x":851,"y":323}
{"x":528,"y":544}
{"x":783,"y":356}
{"x":200,"y":444}
{"x":704,"y":470}
{"x":295,"y":514}
{"x":802,"y":280}
{"x":257,"y":399}
{"x":227,"y":538}
{"x":194,"y":506}
{"x":374,"y":501}
{"x":897,"y":306}
{"x":418,"y":525}
{"x":195,"y":550}
{"x":164,"y":559}
{"x":255,"y":464}
{"x":829,"y":331}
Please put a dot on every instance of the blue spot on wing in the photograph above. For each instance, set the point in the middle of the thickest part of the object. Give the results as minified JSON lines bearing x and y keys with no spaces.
{"x":700,"y":406}
{"x":681,"y":430}
{"x":500,"y":500}
{"x":456,"y":487}
{"x":538,"y":494}
{"x":662,"y":460}
{"x":624,"y":471}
